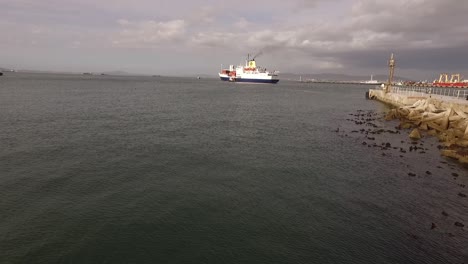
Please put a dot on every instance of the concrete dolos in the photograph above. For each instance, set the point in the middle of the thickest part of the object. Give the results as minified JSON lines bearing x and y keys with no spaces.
{"x":447,"y":120}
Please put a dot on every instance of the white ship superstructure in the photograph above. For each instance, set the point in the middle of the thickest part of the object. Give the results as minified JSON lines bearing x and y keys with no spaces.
{"x":249,"y":72}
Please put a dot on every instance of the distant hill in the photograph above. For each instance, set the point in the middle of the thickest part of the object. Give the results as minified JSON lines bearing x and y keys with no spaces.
{"x":116,"y":73}
{"x":66,"y":72}
{"x":5,"y":69}
{"x":337,"y":77}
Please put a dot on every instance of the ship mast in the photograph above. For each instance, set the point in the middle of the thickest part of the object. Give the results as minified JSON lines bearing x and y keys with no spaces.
{"x":391,"y":65}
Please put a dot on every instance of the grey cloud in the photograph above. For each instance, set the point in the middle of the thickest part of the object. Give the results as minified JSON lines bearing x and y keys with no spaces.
{"x":425,"y":19}
{"x":316,"y":35}
{"x":149,"y":32}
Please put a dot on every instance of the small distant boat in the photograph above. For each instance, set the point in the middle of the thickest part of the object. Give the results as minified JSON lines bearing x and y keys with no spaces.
{"x":1,"y":73}
{"x":249,"y":73}
{"x":371,"y":81}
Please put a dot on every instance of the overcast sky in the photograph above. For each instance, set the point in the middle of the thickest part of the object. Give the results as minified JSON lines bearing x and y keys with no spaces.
{"x":191,"y":37}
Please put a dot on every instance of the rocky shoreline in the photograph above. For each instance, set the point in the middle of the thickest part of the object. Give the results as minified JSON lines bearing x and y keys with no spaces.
{"x":369,"y":129}
{"x":427,"y":118}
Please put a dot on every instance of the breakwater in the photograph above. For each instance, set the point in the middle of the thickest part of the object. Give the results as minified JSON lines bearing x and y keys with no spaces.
{"x":425,"y":113}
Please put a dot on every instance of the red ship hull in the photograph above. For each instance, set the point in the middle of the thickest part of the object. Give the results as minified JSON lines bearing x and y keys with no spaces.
{"x":449,"y":84}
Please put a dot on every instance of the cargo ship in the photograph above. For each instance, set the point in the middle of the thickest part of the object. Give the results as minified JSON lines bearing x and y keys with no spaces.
{"x":249,"y":73}
{"x":454,"y":81}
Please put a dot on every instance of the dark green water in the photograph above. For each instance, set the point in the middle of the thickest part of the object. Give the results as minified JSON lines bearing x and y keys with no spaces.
{"x":101,"y":169}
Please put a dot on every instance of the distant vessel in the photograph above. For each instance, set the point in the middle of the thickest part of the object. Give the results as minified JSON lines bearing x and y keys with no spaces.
{"x":455,"y":81}
{"x":1,"y":73}
{"x":248,"y":73}
{"x":371,"y":81}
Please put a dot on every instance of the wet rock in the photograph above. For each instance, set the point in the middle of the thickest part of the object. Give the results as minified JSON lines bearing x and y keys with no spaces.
{"x":388,"y":145}
{"x":444,"y":213}
{"x":462,"y":195}
{"x":432,"y":132}
{"x":364,"y":143}
{"x":459,"y":224}
{"x":423,"y":126}
{"x":406,"y":126}
{"x":411,"y":174}
{"x":413,"y":236}
{"x":433,"y":226}
{"x":415,"y":134}
{"x":454,"y":174}
{"x":428,"y":173}
{"x":450,"y":235}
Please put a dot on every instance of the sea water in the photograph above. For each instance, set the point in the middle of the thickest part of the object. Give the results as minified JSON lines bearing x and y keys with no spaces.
{"x":122,"y":169}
